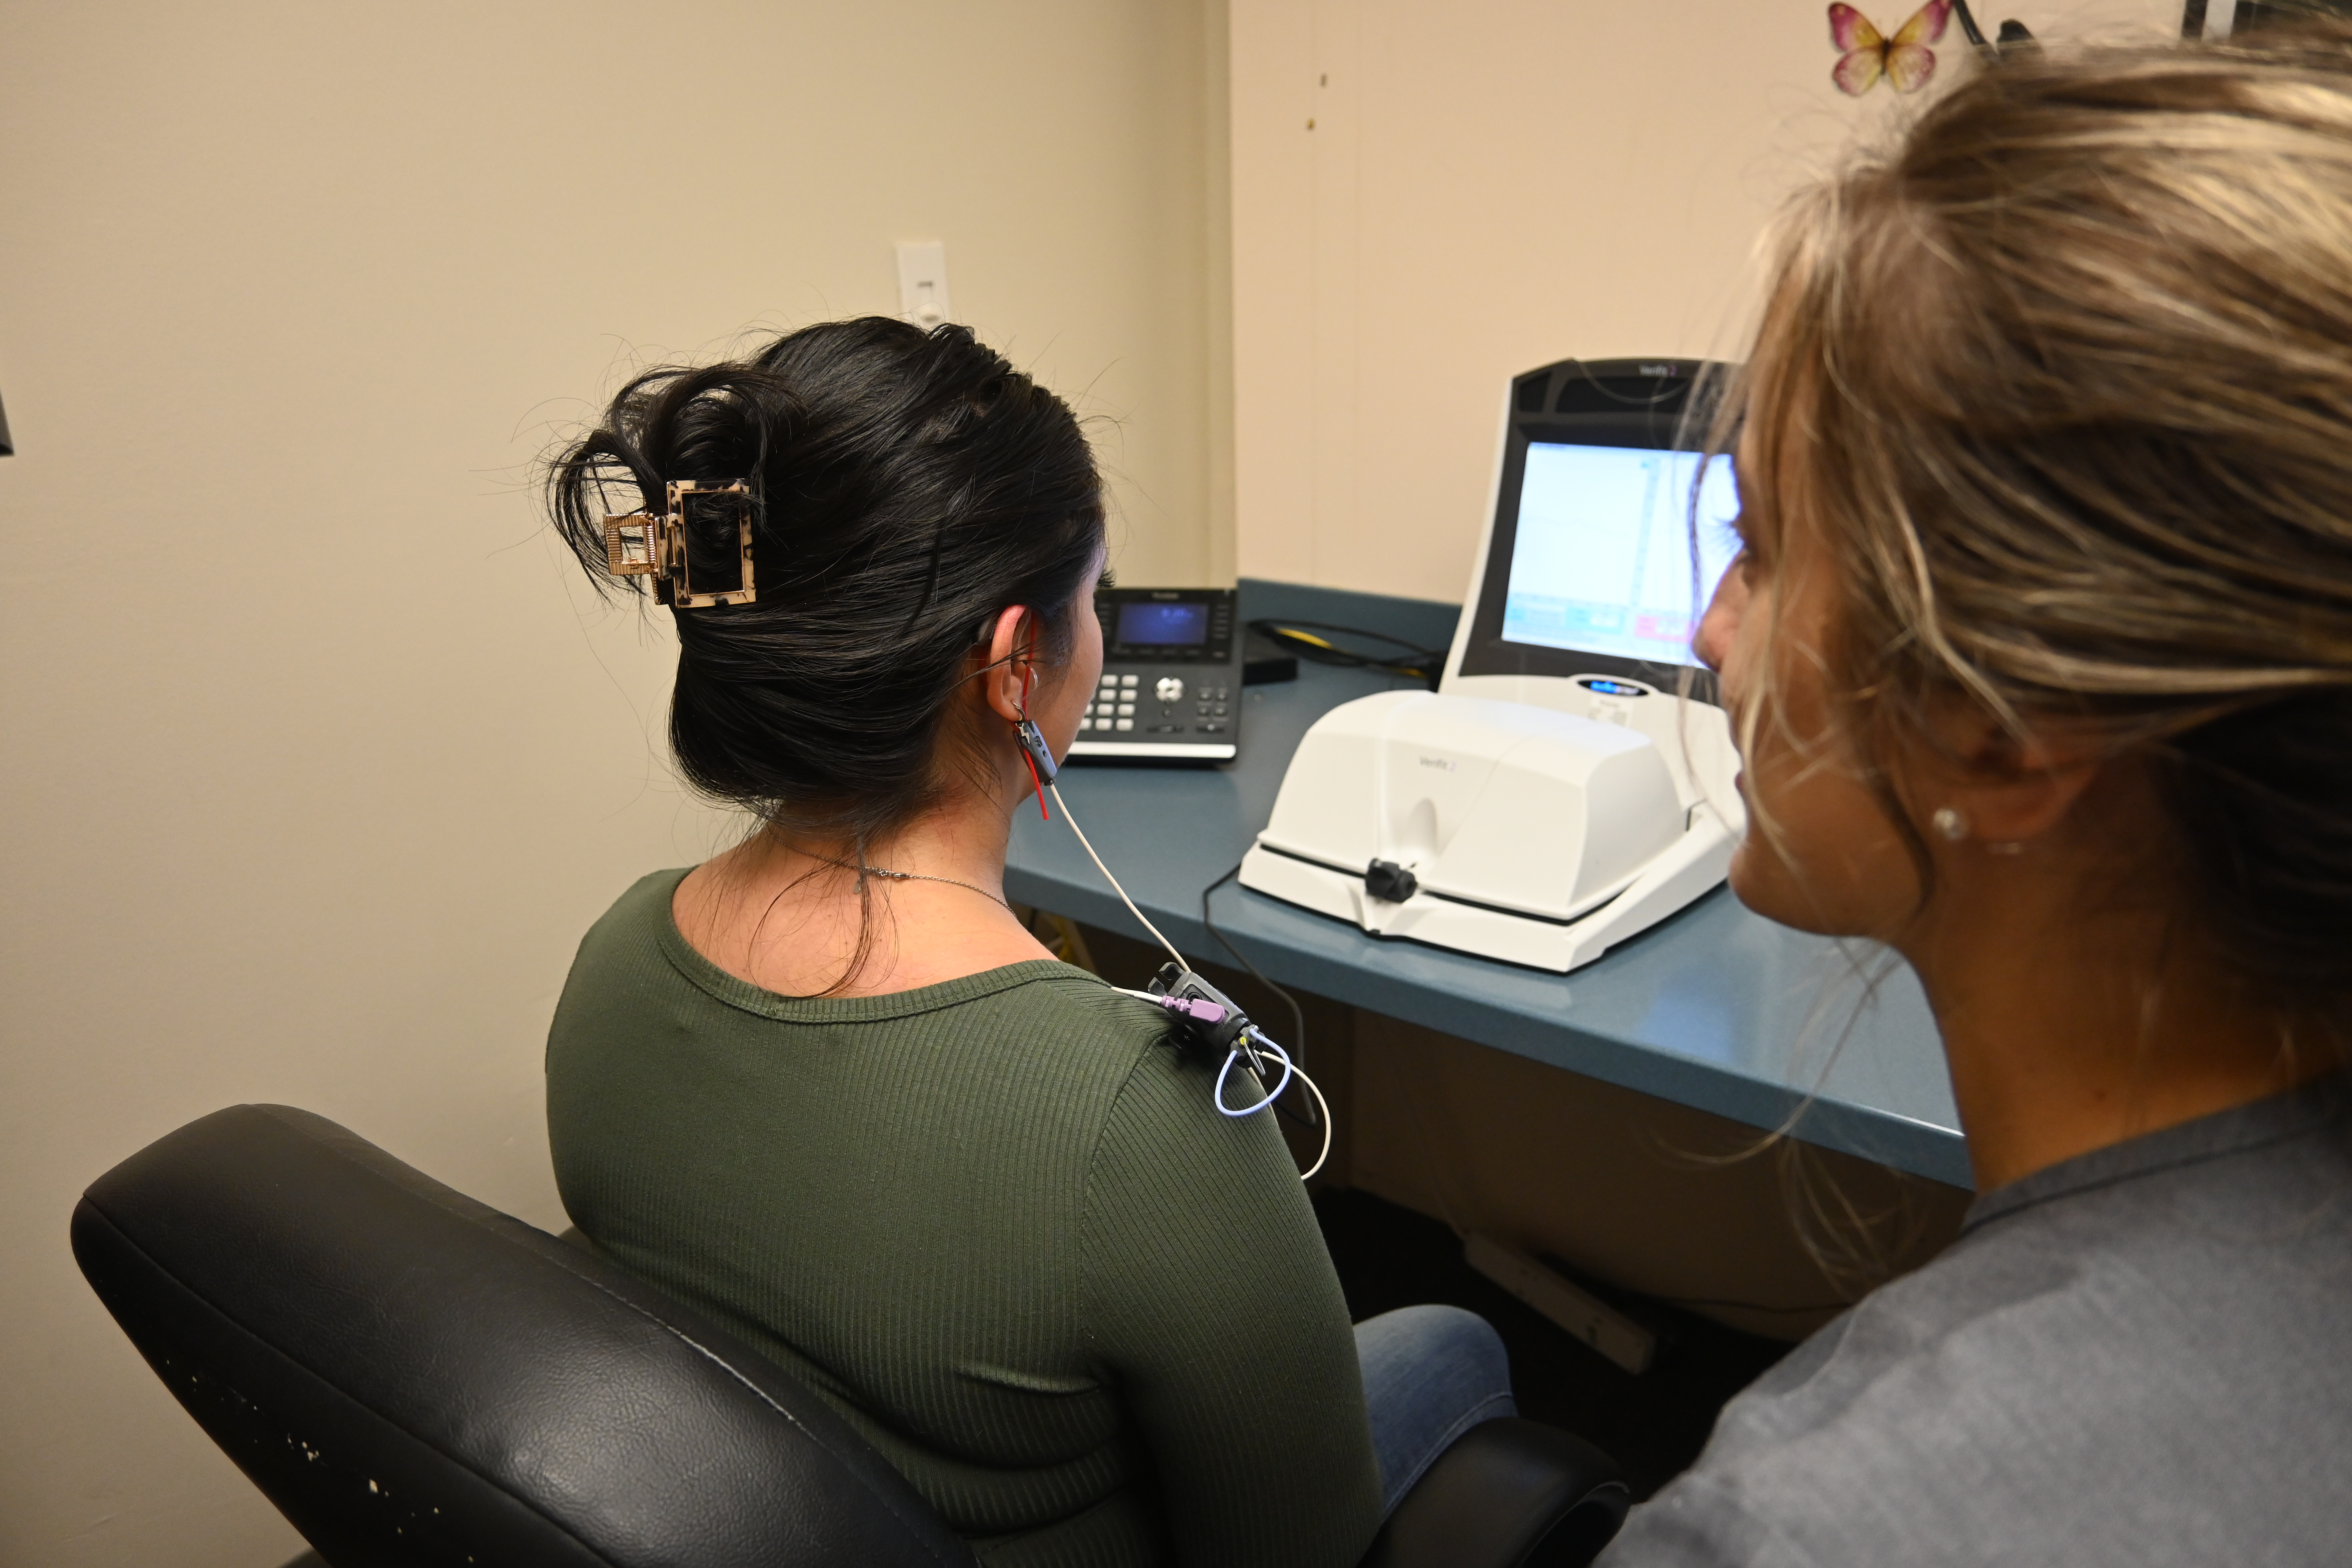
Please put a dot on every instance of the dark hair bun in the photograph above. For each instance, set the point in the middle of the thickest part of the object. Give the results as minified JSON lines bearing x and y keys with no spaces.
{"x":907,"y":487}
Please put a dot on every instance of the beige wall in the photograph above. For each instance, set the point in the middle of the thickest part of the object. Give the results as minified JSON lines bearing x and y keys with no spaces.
{"x":319,"y":759}
{"x":1489,"y":185}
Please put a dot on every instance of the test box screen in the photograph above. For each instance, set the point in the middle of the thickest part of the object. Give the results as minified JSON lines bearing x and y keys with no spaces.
{"x":1603,"y":559}
{"x":1144,"y":623}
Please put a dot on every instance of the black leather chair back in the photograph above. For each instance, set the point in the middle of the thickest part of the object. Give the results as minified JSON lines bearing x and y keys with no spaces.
{"x":1508,"y":1494}
{"x":415,"y":1378}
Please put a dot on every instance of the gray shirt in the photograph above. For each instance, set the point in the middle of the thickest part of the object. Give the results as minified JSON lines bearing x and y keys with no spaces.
{"x":2142,"y":1356}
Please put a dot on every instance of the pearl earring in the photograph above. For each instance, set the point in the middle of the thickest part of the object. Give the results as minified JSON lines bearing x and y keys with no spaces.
{"x":1949,"y":825}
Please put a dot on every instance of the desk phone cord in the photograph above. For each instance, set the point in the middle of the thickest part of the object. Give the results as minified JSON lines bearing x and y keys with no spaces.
{"x":1203,"y":1015}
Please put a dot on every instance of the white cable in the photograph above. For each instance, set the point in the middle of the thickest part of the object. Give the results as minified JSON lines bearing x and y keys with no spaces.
{"x":1322,"y":1106}
{"x":1290,"y":1070}
{"x":1268,"y":1096}
{"x":1115,"y":888}
{"x":1322,"y":1114}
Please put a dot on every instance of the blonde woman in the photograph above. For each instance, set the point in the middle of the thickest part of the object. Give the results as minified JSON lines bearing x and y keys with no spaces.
{"x":2041,"y":655}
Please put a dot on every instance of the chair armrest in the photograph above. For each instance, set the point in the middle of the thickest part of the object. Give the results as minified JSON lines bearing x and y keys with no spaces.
{"x":1508,"y":1494}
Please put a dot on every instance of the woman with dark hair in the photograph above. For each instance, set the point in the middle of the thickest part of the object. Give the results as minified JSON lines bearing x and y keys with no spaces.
{"x":2040,"y":655}
{"x":827,"y":1088}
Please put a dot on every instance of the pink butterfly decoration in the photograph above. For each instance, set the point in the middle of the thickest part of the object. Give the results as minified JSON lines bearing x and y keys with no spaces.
{"x":1905,"y":60}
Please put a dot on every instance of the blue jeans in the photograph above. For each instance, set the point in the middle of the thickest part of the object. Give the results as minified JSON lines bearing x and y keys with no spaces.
{"x":1431,"y":1374}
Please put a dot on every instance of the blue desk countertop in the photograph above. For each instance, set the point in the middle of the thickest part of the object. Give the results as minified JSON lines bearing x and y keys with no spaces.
{"x":1715,"y":1008}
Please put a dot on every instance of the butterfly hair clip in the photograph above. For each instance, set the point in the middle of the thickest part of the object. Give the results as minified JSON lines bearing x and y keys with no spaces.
{"x":1905,"y":59}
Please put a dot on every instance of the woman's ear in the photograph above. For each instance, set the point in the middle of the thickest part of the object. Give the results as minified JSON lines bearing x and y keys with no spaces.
{"x":1011,"y":670}
{"x":2009,"y":789}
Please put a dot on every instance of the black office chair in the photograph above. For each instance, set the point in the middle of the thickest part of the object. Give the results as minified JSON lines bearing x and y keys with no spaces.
{"x":415,"y":1380}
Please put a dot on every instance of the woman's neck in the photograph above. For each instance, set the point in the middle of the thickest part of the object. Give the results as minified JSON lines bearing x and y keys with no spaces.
{"x":2072,"y":1022}
{"x":798,"y":916}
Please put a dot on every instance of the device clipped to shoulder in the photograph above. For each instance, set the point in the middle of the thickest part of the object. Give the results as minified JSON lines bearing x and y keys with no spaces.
{"x":698,"y":552}
{"x":1206,"y":1017}
{"x":1206,"y":1022}
{"x":1210,"y":1025}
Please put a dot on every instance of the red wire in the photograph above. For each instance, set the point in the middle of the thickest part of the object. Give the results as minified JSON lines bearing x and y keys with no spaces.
{"x":1038,"y":783}
{"x":1035,"y":783}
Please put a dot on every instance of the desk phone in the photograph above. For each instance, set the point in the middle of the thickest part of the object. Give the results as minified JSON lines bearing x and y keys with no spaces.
{"x":1171,"y":679}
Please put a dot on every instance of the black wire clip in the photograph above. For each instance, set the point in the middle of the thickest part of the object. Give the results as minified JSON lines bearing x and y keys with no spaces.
{"x":1206,"y":1018}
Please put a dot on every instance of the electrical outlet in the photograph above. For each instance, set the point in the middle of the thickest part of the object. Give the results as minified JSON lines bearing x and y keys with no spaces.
{"x":923,"y":282}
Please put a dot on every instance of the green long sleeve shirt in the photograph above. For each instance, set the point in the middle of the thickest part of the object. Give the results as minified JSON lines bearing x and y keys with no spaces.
{"x":997,"y":1224}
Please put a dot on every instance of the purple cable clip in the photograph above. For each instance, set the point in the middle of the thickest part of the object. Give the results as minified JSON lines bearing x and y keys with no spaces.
{"x":1199,"y":1011}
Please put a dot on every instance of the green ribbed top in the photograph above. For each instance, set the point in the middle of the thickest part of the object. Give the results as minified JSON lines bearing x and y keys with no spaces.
{"x":998,"y":1225}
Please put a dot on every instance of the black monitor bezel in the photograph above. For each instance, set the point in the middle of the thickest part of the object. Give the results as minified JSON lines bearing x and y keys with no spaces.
{"x":1660,"y":428}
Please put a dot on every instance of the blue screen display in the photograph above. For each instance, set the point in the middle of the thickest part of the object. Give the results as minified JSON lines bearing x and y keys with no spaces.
{"x":1143,"y":622}
{"x":1603,"y":561}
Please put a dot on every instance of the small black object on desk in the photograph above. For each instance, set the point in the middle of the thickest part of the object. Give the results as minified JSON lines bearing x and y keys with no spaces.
{"x":1265,"y":662}
{"x":1312,"y":641}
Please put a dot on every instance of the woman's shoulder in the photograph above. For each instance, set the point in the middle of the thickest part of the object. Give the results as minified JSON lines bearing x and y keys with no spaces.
{"x":1064,"y":1005}
{"x":623,"y":952}
{"x":641,"y":913}
{"x":1104,"y":1049}
{"x":2121,"y":1364}
{"x":1103,"y":1057}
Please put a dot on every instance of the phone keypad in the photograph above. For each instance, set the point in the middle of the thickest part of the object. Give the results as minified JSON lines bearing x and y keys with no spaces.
{"x":1157,"y":705}
{"x":1179,"y":693}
